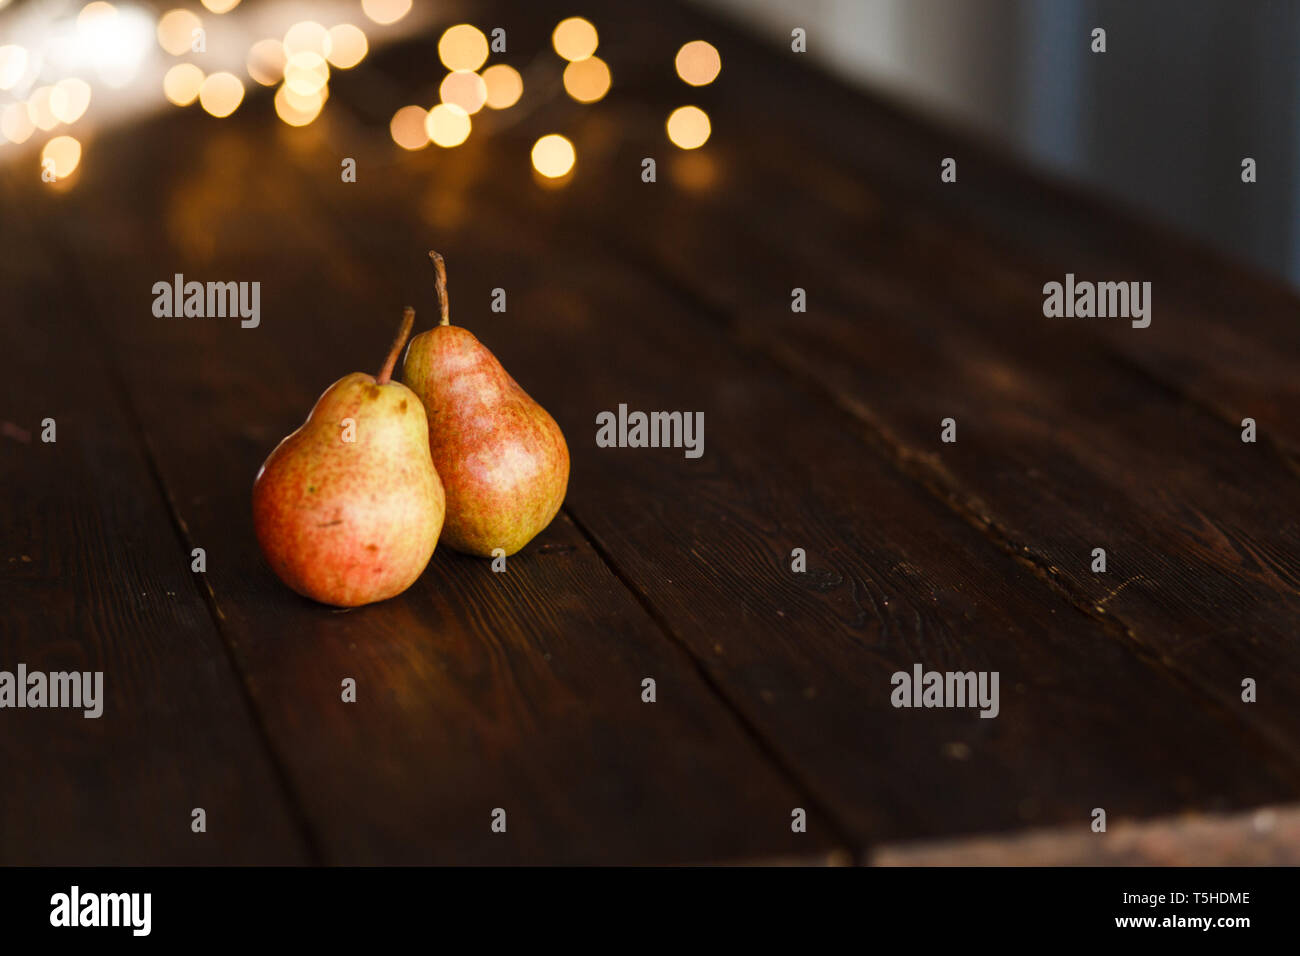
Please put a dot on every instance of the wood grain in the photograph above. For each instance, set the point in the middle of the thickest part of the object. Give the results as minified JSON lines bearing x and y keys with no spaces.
{"x":1225,"y":336}
{"x":476,"y":690}
{"x":1065,"y":444}
{"x":896,"y":577}
{"x":94,"y":577}
{"x":522,"y":690}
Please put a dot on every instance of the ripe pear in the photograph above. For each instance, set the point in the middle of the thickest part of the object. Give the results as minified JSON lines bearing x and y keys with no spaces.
{"x":501,"y":457}
{"x":348,"y":508}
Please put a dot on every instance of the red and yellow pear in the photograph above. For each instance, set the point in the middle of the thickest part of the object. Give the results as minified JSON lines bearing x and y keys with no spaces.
{"x":348,"y":508}
{"x":501,"y":456}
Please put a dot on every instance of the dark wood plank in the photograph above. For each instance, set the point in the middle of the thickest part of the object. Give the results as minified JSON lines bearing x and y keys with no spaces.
{"x":896,"y":578}
{"x":93,"y":577}
{"x":1225,"y":334}
{"x":464,"y":704}
{"x":476,"y":690}
{"x":1062,"y":448}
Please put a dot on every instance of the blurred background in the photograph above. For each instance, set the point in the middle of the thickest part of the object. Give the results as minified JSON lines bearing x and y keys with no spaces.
{"x":1161,"y":121}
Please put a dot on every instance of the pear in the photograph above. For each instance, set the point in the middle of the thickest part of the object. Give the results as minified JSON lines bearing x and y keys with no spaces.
{"x":501,"y":457}
{"x":348,"y":508}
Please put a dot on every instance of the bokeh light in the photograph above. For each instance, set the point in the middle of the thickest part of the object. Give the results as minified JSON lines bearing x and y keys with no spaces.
{"x":689,"y":127}
{"x":95,"y":11}
{"x":306,"y":102}
{"x":114,"y":42}
{"x":221,"y":6}
{"x":504,"y":86}
{"x":297,"y":109}
{"x":698,"y":63}
{"x":266,"y":62}
{"x":221,"y":94}
{"x":16,"y":124}
{"x":13,"y":65}
{"x":63,"y":153}
{"x":587,"y":80}
{"x":44,"y":106}
{"x":407,"y":127}
{"x":464,"y":89}
{"x":307,"y":36}
{"x":447,"y":125}
{"x":72,"y":99}
{"x":347,"y":46}
{"x":385,"y":12}
{"x":693,"y":169}
{"x":306,"y":72}
{"x":176,"y":31}
{"x":575,"y":38}
{"x":462,"y":47}
{"x":553,"y":155}
{"x":181,"y":84}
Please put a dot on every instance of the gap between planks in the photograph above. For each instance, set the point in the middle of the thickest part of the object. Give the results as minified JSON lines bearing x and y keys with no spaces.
{"x":111,"y":367}
{"x":920,"y":468}
{"x":840,"y":831}
{"x":1000,"y":170}
{"x":923,"y":469}
{"x":1288,"y":455}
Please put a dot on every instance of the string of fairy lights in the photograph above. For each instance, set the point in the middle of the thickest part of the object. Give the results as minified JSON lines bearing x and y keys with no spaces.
{"x":464,"y":49}
{"x":107,"y":44}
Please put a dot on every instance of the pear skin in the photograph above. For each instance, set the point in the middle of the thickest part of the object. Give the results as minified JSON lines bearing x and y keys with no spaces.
{"x":352,"y":522}
{"x":501,"y":457}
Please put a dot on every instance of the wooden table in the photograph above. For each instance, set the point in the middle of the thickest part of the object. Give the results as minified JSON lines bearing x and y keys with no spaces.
{"x":523,"y":691}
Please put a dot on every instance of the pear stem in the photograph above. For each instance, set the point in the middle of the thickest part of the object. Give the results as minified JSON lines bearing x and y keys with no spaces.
{"x":386,"y":373}
{"x":441,"y":285}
